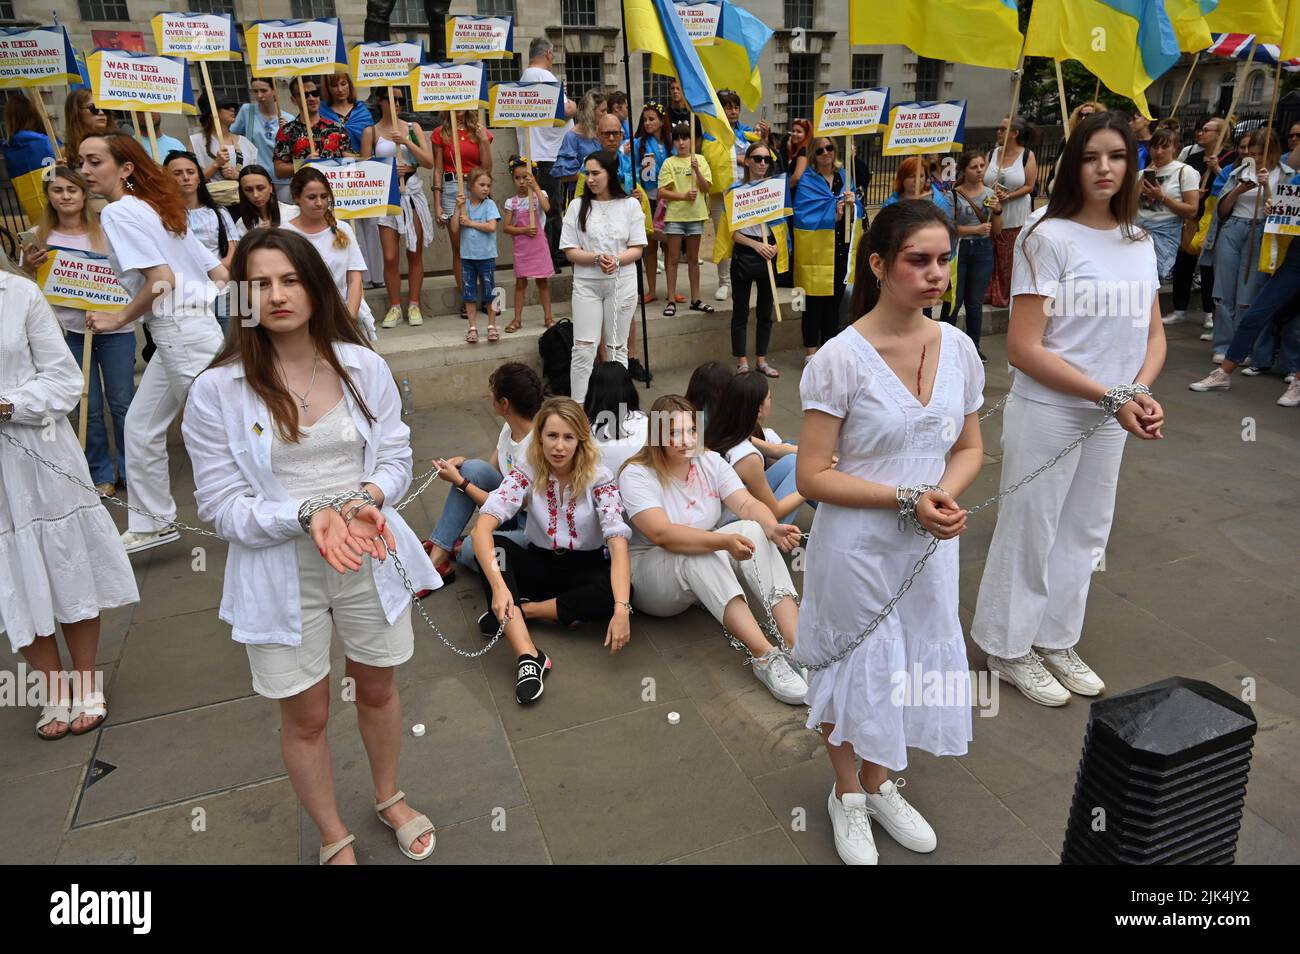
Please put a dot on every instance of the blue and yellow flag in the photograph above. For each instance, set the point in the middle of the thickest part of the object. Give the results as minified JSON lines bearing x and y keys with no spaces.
{"x":1190,"y":26}
{"x":29,"y":156}
{"x":1127,"y":44}
{"x":1260,"y":17}
{"x":814,"y":235}
{"x":978,"y":32}
{"x":731,"y":61}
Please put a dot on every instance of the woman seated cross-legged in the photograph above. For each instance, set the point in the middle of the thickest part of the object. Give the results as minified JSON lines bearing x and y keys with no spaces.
{"x":562,"y":575}
{"x":674,"y":495}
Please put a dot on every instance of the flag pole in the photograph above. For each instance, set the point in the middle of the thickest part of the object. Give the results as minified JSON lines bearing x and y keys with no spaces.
{"x":1179,"y":101}
{"x":1011,"y":113}
{"x":1232,"y":105}
{"x":640,"y":262}
{"x":1259,"y":190}
{"x":1065,"y":107}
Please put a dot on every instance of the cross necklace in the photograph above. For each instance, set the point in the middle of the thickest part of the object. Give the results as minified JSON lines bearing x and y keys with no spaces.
{"x":302,"y":398}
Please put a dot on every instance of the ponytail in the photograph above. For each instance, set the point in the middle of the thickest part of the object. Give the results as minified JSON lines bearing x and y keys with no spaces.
{"x":340,"y":237}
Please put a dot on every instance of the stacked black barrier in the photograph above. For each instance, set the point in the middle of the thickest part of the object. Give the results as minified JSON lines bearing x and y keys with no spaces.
{"x":1163,"y":777}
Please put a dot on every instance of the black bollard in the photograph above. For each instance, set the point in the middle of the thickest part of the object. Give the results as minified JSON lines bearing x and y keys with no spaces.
{"x":1162,"y":779}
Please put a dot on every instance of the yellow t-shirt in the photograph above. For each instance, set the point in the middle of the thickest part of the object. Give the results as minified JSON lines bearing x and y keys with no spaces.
{"x":676,"y":175}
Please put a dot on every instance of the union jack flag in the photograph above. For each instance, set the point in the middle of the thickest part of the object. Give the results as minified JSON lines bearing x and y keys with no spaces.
{"x":1237,"y":46}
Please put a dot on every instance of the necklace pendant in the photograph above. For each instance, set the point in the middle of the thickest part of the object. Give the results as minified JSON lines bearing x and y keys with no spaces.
{"x":304,"y":405}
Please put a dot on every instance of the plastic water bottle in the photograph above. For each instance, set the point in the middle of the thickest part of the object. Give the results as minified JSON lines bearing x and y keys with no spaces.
{"x":408,"y":402}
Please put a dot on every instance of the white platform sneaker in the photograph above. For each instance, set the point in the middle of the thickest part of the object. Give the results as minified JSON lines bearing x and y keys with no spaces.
{"x":1071,"y":671}
{"x":851,"y":823}
{"x":1028,"y":675}
{"x":903,"y":822}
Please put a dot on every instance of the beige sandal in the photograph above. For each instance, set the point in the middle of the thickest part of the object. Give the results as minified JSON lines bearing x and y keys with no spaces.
{"x":410,"y":831}
{"x":93,"y":706}
{"x":53,"y":714}
{"x":327,"y":852}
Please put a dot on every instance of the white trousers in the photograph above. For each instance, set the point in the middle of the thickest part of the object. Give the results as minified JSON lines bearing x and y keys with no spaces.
{"x":665,"y":584}
{"x":187,"y":342}
{"x":602,"y":309}
{"x":1051,"y":533}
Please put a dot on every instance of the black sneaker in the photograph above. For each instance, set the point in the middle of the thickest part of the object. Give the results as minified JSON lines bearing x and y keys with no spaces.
{"x":638,"y":371}
{"x":532,"y":670}
{"x":488,"y":625}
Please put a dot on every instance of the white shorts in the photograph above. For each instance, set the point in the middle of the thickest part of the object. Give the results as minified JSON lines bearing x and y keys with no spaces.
{"x":346,"y":602}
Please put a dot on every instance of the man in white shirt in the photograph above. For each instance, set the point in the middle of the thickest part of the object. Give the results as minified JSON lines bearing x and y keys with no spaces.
{"x":543,"y":144}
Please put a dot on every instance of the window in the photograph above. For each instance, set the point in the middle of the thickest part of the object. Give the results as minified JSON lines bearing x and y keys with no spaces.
{"x":229,"y":82}
{"x":7,"y":10}
{"x":653,"y":86}
{"x":802,"y":85}
{"x":798,"y":13}
{"x":409,"y":13}
{"x":311,"y":9}
{"x":929,"y":78}
{"x":583,"y":71}
{"x":1194,"y":92}
{"x":211,"y":6}
{"x":504,"y":70}
{"x":104,"y":10}
{"x":1255,"y":88}
{"x":866,"y":70}
{"x":578,"y":13}
{"x":496,"y":8}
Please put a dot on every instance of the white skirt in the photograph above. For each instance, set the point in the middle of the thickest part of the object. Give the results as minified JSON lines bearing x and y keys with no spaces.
{"x":61,"y":560}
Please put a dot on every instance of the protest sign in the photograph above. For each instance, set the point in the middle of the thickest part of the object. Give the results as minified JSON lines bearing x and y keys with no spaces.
{"x":1284,"y":211}
{"x":850,"y":112}
{"x":158,"y":84}
{"x":42,"y":56}
{"x":480,"y":38}
{"x":527,"y":104}
{"x":701,"y":20}
{"x":920,"y":128}
{"x":73,"y":278}
{"x":196,"y":36}
{"x":383,"y":63}
{"x":441,"y":86}
{"x":752,"y":203}
{"x":363,"y":188}
{"x":295,"y":47}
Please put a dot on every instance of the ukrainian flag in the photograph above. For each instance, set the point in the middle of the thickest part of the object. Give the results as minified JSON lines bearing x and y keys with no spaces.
{"x":1190,"y":26}
{"x":1127,"y":44}
{"x":1290,"y":46}
{"x":978,"y":32}
{"x":731,"y":61}
{"x":814,"y":235}
{"x":29,"y":155}
{"x":1260,"y":17}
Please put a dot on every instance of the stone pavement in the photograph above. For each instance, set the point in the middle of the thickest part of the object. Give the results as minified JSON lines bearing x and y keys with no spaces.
{"x":1199,"y":580}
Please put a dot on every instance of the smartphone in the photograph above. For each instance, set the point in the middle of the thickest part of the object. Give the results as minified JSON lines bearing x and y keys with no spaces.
{"x":1149,"y":175}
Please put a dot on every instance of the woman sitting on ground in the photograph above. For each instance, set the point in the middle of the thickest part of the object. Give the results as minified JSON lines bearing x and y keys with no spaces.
{"x":614,"y":409}
{"x":731,"y":433}
{"x":561,"y":574}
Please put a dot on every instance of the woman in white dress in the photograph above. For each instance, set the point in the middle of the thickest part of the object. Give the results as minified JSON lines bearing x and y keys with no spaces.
{"x":413,"y":227}
{"x":60,"y":559}
{"x":1085,"y":333}
{"x":300,"y":456}
{"x":170,"y":276}
{"x":894,"y":393}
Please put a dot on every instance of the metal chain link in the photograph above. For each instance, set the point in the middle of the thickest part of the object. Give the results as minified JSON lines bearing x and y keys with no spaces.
{"x":996,"y":407}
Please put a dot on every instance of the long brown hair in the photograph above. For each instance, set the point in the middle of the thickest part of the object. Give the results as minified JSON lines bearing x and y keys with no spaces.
{"x":299,"y":182}
{"x":74,"y":130}
{"x":654,"y":454}
{"x":586,"y":456}
{"x":250,"y":345}
{"x":147,"y":181}
{"x":89,"y":217}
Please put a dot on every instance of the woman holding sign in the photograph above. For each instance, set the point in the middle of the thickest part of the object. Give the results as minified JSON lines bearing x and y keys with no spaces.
{"x":755,"y":246}
{"x":70,"y":221}
{"x":60,"y":562}
{"x":169,"y":275}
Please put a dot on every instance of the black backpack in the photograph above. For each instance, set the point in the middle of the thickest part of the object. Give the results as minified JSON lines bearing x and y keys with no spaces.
{"x":556,"y":348}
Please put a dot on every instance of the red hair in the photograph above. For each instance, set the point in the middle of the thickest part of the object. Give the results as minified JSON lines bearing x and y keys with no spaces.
{"x":906,"y":170}
{"x":148,"y":182}
{"x":807,"y":128}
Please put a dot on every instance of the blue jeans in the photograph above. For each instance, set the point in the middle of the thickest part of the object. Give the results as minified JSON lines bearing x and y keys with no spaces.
{"x":480,"y":279}
{"x":458,"y":510}
{"x":780,"y":477}
{"x":1254,"y":334}
{"x":112,"y":357}
{"x":1237,"y":279}
{"x":974,"y":271}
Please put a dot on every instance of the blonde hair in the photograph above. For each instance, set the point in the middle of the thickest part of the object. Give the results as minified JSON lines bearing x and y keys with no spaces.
{"x":478,"y":172}
{"x":89,"y":217}
{"x":654,"y":454}
{"x":586,"y":457}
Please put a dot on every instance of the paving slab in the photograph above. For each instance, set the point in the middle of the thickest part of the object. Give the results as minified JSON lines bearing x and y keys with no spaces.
{"x":772,"y":847}
{"x":35,"y":815}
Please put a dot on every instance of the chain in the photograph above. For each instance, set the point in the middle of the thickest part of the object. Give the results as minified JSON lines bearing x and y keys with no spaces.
{"x":425,"y":479}
{"x":996,"y":407}
{"x":419,"y":605}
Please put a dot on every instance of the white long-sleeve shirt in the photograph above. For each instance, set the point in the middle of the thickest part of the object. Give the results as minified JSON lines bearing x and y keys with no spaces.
{"x":227,"y":431}
{"x":560,"y":521}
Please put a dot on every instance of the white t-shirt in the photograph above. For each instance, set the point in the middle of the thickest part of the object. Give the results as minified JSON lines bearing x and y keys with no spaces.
{"x":74,"y":319}
{"x":545,"y":139}
{"x":339,"y":261}
{"x":287,"y":214}
{"x":740,"y":452}
{"x":1174,"y":178}
{"x":612,"y":228}
{"x":509,"y":451}
{"x":203,"y":223}
{"x":615,"y":452}
{"x":1102,"y":285}
{"x":1244,"y":207}
{"x":247,"y":152}
{"x":695,"y":502}
{"x":137,"y":240}
{"x":771,"y":436}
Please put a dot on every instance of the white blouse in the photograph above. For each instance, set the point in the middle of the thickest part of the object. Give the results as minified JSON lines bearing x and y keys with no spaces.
{"x":612,"y":228}
{"x":560,"y":522}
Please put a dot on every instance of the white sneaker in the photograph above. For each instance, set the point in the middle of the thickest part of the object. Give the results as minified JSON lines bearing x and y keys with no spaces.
{"x":851,"y":824}
{"x":413,"y":316}
{"x":135,"y":541}
{"x":1208,"y":323}
{"x":1071,"y":671}
{"x":773,"y":671}
{"x":1289,"y":378}
{"x":903,"y":822}
{"x":1174,"y":318}
{"x":1291,"y":396}
{"x":1027,"y":674}
{"x":392,"y":317}
{"x":1218,"y":357}
{"x":723,"y":293}
{"x":1206,"y":336}
{"x":1216,"y":380}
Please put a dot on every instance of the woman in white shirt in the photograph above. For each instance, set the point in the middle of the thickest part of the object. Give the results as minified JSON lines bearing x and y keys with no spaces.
{"x":300,"y":456}
{"x":731,"y":432}
{"x":209,"y":223}
{"x":1170,"y":192}
{"x":169,"y":275}
{"x":334,"y":240}
{"x":561,"y":575}
{"x":1012,"y":174}
{"x":70,"y":221}
{"x":222,"y":153}
{"x":60,"y":560}
{"x":1085,"y":333}
{"x":603,"y":236}
{"x":673,"y":495}
{"x":258,"y":206}
{"x":614,"y":410}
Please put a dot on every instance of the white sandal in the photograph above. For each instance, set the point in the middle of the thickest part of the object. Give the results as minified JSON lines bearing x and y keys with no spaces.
{"x":409,"y":831}
{"x":53,"y":714}
{"x":327,"y":852}
{"x":93,"y":706}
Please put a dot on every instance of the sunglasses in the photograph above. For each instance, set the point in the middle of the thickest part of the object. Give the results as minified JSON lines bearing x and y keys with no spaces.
{"x":311,"y":93}
{"x":824,"y":149}
{"x":1293,"y":135}
{"x":94,"y":110}
{"x":763,"y":159}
